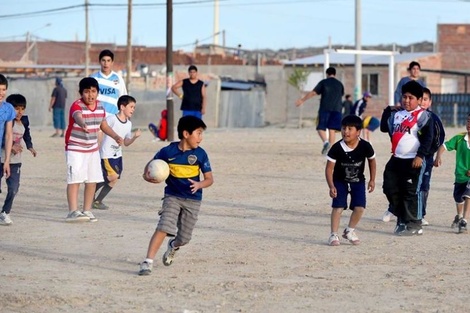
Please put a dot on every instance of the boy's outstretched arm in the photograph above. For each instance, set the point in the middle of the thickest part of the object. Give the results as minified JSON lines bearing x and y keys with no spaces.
{"x":372,"y":172}
{"x":129,"y":141}
{"x":110,"y":132}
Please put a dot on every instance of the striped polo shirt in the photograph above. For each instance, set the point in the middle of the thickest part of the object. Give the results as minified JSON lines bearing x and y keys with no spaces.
{"x":76,"y":139}
{"x":111,"y":88}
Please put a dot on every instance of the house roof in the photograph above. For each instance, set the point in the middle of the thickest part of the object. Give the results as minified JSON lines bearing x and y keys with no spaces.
{"x":349,"y":59}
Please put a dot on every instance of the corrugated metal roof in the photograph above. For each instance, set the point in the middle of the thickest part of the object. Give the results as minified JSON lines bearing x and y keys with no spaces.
{"x":348,"y":59}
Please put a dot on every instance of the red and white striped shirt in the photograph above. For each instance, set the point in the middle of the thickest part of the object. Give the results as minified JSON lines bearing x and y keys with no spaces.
{"x":76,"y":139}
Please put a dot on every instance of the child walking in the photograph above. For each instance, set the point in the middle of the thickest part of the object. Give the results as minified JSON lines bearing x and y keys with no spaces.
{"x":183,"y":191}
{"x":111,"y":151}
{"x":459,"y":143}
{"x":86,"y":118}
{"x":21,"y":132}
{"x":345,"y":175}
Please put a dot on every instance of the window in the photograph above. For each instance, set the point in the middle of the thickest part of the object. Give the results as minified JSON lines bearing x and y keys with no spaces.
{"x":370,"y":83}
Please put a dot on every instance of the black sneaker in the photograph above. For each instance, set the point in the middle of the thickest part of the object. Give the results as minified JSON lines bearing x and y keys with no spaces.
{"x":400,"y":228}
{"x":412,"y":231}
{"x":462,"y":226}
{"x":456,"y":221}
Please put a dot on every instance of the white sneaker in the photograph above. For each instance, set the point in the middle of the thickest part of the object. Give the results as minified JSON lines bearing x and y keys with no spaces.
{"x":76,"y":216}
{"x":333,"y":240}
{"x":90,"y":215}
{"x":424,"y":222}
{"x":145,"y":268}
{"x":351,"y":236}
{"x":387,"y":217}
{"x":5,"y":219}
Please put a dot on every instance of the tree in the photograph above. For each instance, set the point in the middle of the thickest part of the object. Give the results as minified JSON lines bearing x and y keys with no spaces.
{"x":298,"y":79}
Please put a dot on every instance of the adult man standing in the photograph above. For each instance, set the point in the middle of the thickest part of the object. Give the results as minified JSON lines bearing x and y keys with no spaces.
{"x":194,"y":94}
{"x":57,"y":106}
{"x":329,"y":113}
{"x":112,"y":86}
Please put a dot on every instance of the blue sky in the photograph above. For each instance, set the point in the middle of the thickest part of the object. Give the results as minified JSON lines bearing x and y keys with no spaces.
{"x":255,"y":24}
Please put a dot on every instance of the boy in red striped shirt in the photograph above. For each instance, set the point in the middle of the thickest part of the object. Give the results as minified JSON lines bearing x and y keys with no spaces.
{"x":86,"y":118}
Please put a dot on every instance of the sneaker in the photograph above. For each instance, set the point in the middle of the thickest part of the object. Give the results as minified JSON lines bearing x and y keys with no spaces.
{"x":169,"y":255}
{"x":399,"y":229}
{"x":145,"y":268}
{"x":90,"y":215}
{"x":326,"y":146}
{"x":424,"y":222}
{"x":5,"y":219}
{"x":100,"y":206}
{"x":456,"y":222}
{"x":462,"y":226}
{"x":387,"y":217}
{"x":76,"y":216}
{"x":411,"y":231}
{"x":351,"y":236}
{"x":333,"y":240}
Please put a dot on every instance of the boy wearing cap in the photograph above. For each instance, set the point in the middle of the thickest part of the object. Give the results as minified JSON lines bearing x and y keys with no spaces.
{"x":411,"y":131}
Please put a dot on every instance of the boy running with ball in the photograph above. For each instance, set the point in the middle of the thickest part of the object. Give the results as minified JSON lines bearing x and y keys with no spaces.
{"x":183,"y":191}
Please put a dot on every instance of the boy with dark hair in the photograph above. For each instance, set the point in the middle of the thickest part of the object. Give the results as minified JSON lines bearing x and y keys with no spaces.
{"x":194,"y":94}
{"x":438,"y":140}
{"x":411,"y":131}
{"x":459,"y":143}
{"x":111,"y":151}
{"x":111,"y":85}
{"x":183,"y":191}
{"x":20,"y":132}
{"x":414,"y":68}
{"x":345,"y":175}
{"x":86,"y":118}
{"x":7,"y":115}
{"x":329,"y":113}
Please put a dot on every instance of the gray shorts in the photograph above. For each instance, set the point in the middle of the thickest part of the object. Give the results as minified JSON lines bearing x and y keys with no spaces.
{"x":178,"y":217}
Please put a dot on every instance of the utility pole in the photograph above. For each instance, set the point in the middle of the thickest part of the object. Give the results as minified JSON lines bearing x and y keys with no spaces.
{"x":216,"y":23}
{"x":357,"y":57}
{"x":169,"y":70}
{"x":129,"y":45}
{"x":87,"y":41}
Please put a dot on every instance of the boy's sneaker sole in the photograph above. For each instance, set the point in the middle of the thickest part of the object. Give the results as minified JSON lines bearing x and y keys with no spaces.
{"x":169,"y":254}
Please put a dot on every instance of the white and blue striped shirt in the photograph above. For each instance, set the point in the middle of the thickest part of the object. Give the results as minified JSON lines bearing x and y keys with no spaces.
{"x":111,"y":88}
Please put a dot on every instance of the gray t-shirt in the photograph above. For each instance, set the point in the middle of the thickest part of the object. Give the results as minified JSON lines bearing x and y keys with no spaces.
{"x":331,"y":91}
{"x":60,"y":94}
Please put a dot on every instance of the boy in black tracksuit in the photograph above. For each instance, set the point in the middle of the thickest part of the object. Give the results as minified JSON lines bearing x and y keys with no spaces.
{"x":411,"y":131}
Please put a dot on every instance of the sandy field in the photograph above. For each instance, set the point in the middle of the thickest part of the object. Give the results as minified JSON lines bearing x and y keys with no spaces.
{"x":260,"y":244}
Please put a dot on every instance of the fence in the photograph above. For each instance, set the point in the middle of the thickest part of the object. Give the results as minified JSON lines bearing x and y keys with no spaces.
{"x":453,"y":109}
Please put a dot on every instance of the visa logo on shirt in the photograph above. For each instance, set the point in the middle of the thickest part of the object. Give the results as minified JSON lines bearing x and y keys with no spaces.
{"x":107,"y":91}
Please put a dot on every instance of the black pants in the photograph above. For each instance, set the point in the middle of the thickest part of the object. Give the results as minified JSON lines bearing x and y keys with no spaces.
{"x":401,"y":182}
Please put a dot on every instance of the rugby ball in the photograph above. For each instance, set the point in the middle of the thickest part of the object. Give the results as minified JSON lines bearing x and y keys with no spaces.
{"x":158,"y":170}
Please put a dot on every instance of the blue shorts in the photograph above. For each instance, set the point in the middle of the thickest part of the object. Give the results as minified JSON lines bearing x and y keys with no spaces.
{"x":111,"y":167}
{"x":329,"y":120}
{"x":197,"y":114}
{"x":357,"y":192}
{"x":461,"y":191}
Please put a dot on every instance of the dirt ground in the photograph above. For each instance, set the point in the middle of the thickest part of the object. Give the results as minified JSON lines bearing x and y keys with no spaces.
{"x":260,"y":244}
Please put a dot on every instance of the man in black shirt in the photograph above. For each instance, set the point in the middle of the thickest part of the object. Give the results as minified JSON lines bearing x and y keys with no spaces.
{"x":194,"y":94}
{"x":329,"y":113}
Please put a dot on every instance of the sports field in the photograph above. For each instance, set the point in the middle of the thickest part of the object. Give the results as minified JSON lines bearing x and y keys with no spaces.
{"x":259,"y":245}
